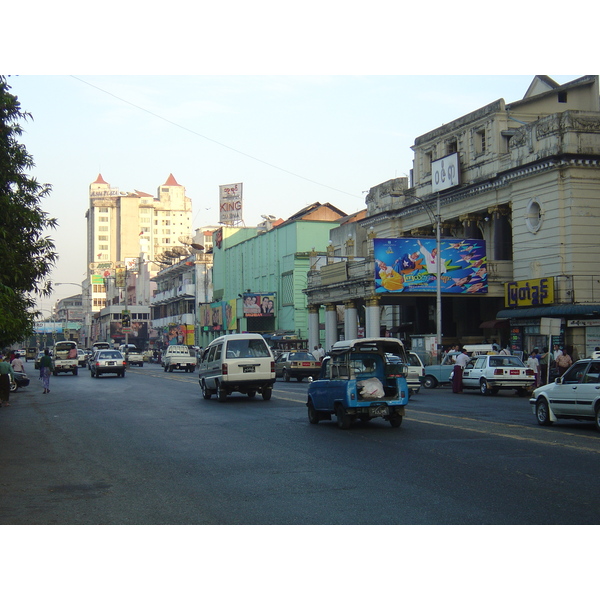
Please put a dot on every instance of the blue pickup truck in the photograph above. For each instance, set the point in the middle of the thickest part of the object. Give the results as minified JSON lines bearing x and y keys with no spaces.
{"x":357,"y":382}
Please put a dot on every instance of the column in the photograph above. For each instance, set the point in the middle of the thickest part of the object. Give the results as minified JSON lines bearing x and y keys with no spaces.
{"x":330,"y":326}
{"x":313,"y":326}
{"x":350,"y":320}
{"x":372,"y":319}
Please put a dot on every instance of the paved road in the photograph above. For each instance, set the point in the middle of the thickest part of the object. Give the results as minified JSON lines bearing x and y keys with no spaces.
{"x":147,"y":449}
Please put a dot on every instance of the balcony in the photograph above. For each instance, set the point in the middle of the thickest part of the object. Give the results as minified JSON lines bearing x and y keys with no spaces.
{"x":182,"y":291}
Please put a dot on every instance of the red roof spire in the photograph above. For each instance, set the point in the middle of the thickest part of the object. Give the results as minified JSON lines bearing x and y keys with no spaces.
{"x":171,"y":180}
{"x":100,"y":180}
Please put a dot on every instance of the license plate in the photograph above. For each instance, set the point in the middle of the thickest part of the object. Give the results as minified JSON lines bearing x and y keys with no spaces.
{"x":248,"y":370}
{"x":515,"y":372}
{"x":306,"y":364}
{"x":111,"y":364}
{"x":378,"y":411}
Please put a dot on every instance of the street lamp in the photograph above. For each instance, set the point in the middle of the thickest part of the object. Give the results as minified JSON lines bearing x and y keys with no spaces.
{"x":436,"y":222}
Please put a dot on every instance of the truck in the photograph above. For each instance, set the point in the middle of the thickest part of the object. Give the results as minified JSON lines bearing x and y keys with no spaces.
{"x":358,"y":381}
{"x":178,"y":357}
{"x":64,"y":358}
{"x":132,"y":355}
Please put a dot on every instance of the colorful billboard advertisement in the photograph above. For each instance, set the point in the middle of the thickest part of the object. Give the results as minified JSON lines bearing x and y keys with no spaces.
{"x":230,"y":314}
{"x":182,"y":334}
{"x":258,"y":305}
{"x":410,"y":265}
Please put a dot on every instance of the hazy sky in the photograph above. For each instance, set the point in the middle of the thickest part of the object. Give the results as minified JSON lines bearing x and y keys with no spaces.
{"x":291,"y":140}
{"x":317,"y":103}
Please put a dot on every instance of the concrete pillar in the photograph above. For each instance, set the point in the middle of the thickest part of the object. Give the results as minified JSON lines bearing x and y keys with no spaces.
{"x":330,"y":326}
{"x":350,"y":320}
{"x":372,"y":319}
{"x":313,"y":326}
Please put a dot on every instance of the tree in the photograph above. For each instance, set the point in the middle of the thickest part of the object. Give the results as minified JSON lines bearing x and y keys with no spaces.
{"x":26,"y":256}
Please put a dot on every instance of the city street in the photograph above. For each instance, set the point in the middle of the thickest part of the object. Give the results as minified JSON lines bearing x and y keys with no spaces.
{"x":147,"y":449}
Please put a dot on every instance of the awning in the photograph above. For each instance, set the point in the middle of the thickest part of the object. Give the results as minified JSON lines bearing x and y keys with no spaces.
{"x":560,"y":310}
{"x":495,"y":324}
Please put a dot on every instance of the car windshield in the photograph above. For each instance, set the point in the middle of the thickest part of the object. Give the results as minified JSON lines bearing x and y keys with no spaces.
{"x":506,"y":361}
{"x":247,"y":349}
{"x":110,"y":355}
{"x":301,"y":356}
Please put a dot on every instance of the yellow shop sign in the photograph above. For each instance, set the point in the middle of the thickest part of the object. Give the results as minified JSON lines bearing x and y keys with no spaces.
{"x":529,"y":292}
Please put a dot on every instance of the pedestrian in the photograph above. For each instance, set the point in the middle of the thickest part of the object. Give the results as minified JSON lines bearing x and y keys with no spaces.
{"x":461,"y":362}
{"x":17,"y":364}
{"x":544,"y":365}
{"x":505,"y":351}
{"x":321,"y":351}
{"x":316,"y":354}
{"x":534,"y":364}
{"x":563,"y":362}
{"x":5,"y":372}
{"x":45,"y":370}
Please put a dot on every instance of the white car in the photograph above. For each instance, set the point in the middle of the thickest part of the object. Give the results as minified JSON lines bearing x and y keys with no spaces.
{"x":491,"y":373}
{"x":575,"y":395}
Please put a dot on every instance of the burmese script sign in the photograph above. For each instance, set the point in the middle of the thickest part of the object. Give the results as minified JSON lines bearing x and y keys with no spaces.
{"x":529,"y":292}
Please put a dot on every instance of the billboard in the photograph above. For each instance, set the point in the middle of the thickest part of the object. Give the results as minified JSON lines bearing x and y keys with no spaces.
{"x":410,"y":265}
{"x":230,"y":203}
{"x":529,"y":292}
{"x":258,"y":305}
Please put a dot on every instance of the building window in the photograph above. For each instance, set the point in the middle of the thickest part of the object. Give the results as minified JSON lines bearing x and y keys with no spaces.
{"x":562,"y":97}
{"x":103,"y":238}
{"x":287,"y":288}
{"x":103,"y":228}
{"x":103,"y":219}
{"x":480,"y":141}
{"x":103,"y":209}
{"x":452,"y":147}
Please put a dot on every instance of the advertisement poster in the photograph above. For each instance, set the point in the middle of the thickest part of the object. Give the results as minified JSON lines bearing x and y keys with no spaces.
{"x":230,"y":315}
{"x":182,"y":334}
{"x":410,"y":265}
{"x":259,"y":305}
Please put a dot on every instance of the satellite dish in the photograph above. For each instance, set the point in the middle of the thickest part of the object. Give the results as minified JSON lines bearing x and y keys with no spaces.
{"x":180,"y":251}
{"x":196,"y":246}
{"x":185,"y":240}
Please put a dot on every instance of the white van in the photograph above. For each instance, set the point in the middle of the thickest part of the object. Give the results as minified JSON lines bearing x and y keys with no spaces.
{"x":240,"y":362}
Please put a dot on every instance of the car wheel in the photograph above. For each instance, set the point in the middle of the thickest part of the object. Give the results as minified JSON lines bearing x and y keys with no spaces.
{"x":286,"y":375}
{"x":597,"y":413}
{"x":205,"y":391}
{"x":542,"y":412}
{"x":13,"y":386}
{"x":396,"y":420}
{"x":267,"y":393}
{"x":313,"y":415}
{"x":483,"y":388}
{"x":221,"y":393}
{"x":430,"y":382}
{"x":343,"y":418}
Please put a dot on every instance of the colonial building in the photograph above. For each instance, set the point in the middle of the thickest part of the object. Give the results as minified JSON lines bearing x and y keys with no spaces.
{"x":515,"y":190}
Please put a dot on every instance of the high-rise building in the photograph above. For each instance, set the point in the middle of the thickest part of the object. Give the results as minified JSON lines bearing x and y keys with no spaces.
{"x":125,"y":226}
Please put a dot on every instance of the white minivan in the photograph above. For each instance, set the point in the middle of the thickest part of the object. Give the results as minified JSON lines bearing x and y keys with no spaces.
{"x":239,"y":362}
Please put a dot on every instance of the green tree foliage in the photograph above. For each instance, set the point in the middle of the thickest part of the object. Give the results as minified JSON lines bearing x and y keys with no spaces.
{"x":26,"y":256}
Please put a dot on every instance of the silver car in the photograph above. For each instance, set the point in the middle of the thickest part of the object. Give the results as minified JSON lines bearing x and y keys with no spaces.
{"x":108,"y":361}
{"x":575,"y":395}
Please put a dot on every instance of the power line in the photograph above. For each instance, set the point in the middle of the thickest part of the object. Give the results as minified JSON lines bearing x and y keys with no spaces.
{"x":264,"y":162}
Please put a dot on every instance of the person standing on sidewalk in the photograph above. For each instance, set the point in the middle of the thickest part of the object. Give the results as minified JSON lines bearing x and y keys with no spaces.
{"x":17,"y":364}
{"x":45,"y":370}
{"x":5,"y":372}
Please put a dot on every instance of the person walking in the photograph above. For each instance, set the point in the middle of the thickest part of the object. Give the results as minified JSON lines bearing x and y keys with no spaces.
{"x":17,"y":364}
{"x":6,"y":371}
{"x":45,"y":370}
{"x":544,"y":366}
{"x":461,"y":362}
{"x":534,"y":364}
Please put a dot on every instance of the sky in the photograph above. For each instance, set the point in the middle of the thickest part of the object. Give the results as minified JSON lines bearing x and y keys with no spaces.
{"x":291,"y":140}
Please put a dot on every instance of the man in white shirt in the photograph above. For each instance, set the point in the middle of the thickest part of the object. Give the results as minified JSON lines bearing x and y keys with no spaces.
{"x":17,"y":364}
{"x":461,"y":362}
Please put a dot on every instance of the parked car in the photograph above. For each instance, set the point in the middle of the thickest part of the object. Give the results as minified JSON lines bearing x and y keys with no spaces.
{"x":575,"y":395}
{"x":239,"y":362}
{"x":491,"y":373}
{"x":356,"y":382}
{"x":18,"y":380}
{"x":108,"y":361}
{"x":297,"y":365}
{"x":440,"y":374}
